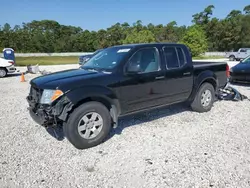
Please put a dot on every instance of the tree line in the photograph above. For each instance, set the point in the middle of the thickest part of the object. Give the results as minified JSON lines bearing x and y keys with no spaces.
{"x":207,"y":33}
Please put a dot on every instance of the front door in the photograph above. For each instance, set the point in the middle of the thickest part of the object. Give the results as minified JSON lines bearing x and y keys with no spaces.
{"x":145,"y":88}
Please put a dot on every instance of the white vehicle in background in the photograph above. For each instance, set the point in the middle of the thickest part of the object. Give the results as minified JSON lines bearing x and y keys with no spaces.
{"x":6,"y":67}
{"x":241,"y":54}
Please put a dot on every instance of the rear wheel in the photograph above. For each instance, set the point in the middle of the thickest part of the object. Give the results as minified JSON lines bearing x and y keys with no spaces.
{"x":3,"y":72}
{"x":204,"y":98}
{"x":231,"y":57}
{"x":88,"y":125}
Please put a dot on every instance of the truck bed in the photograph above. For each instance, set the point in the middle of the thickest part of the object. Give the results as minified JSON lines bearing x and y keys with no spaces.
{"x":207,"y":63}
{"x":218,"y":68}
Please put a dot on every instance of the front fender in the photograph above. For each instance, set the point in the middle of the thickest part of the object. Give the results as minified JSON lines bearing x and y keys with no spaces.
{"x":80,"y":94}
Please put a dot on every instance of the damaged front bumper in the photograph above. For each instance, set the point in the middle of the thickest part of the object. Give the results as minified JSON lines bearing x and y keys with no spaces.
{"x":49,"y":115}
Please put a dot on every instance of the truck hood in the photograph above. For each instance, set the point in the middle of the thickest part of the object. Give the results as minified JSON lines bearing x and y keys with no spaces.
{"x":58,"y":79}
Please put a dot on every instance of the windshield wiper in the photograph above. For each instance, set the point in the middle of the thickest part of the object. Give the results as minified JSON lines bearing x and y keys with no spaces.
{"x":90,"y":69}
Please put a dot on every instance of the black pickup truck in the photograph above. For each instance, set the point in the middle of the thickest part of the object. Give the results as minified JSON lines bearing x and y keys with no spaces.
{"x":122,"y":80}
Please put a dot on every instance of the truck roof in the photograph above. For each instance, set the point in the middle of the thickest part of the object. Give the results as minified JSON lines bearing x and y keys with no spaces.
{"x":146,"y":44}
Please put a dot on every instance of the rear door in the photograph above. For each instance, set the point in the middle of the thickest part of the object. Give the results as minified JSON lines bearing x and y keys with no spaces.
{"x":179,"y":74}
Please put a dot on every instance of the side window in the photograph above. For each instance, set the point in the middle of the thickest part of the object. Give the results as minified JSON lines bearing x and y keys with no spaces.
{"x":171,"y":57}
{"x":146,"y":59}
{"x":243,"y":50}
{"x":182,"y":57}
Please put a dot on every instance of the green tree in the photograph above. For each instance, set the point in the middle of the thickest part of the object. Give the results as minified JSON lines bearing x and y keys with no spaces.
{"x":229,"y":33}
{"x":247,"y":9}
{"x":195,"y":39}
{"x":143,"y":36}
{"x":203,"y":17}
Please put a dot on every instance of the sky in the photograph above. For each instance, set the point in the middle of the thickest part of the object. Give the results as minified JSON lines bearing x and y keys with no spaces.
{"x":101,"y":14}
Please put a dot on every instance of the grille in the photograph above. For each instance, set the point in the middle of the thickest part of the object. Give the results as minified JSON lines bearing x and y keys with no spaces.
{"x":35,"y":94}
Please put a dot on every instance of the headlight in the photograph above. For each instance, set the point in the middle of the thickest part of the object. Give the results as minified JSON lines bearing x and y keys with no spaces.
{"x":49,"y":96}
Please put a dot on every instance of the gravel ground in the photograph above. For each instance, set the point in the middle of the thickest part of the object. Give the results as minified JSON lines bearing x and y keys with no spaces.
{"x":170,"y":147}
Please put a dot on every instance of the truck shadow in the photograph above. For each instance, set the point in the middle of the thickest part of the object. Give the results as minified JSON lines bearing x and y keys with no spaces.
{"x":130,"y":120}
{"x":13,"y":75}
{"x":56,"y":133}
{"x":140,"y":118}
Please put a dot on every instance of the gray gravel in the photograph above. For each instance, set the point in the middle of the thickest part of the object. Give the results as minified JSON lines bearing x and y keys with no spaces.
{"x":171,"y":147}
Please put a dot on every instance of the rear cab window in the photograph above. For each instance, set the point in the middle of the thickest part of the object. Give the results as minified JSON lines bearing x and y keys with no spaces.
{"x":174,"y":57}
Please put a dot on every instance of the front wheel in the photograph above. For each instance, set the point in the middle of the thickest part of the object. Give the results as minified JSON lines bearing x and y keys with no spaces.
{"x":3,"y":72}
{"x":204,"y":98}
{"x":88,"y":125}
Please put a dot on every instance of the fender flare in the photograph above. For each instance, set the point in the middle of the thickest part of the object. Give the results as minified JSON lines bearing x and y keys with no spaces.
{"x":100,"y":94}
{"x":206,"y":76}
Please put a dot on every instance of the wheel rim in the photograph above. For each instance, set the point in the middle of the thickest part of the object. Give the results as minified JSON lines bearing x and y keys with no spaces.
{"x":206,"y":98}
{"x":2,"y":73}
{"x":90,"y":125}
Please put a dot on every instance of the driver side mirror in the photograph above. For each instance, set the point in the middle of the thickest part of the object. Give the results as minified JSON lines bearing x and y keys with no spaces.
{"x":133,"y":68}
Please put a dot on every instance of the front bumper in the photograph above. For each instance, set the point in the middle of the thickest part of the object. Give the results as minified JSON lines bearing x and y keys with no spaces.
{"x":39,"y":118}
{"x":50,"y":115}
{"x":239,"y":77}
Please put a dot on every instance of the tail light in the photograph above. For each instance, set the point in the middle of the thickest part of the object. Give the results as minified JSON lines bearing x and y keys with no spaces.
{"x":11,"y":62}
{"x":227,"y":71}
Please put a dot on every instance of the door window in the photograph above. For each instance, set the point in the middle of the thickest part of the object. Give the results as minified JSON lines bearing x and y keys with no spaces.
{"x":243,"y":50}
{"x":181,"y":56}
{"x":174,"y":57}
{"x":147,"y":59}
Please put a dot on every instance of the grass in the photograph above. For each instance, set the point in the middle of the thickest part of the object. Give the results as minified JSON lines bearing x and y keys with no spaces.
{"x":60,"y":60}
{"x":52,"y":60}
{"x":207,"y":57}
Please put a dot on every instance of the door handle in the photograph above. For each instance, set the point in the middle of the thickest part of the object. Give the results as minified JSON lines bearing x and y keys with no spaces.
{"x":186,"y":73}
{"x":159,"y":77}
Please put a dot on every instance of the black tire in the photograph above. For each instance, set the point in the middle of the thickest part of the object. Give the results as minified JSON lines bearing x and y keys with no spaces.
{"x":196,"y":105}
{"x":3,"y":72}
{"x":231,"y":58}
{"x":70,"y":128}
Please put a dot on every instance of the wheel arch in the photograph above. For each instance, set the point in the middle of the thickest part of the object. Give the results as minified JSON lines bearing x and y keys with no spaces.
{"x":204,"y":77}
{"x":98,"y":94}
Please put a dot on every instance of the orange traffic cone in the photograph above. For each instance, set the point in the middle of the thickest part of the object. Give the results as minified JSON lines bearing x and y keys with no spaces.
{"x":22,"y":78}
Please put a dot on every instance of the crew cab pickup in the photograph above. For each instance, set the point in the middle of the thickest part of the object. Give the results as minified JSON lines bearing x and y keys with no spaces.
{"x":242,"y":53}
{"x":119,"y":81}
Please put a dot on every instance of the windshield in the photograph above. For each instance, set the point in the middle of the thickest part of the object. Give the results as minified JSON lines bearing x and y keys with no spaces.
{"x":97,"y":51}
{"x":246,"y":60}
{"x":106,"y":59}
